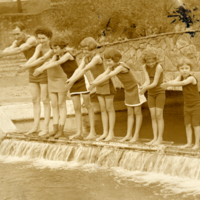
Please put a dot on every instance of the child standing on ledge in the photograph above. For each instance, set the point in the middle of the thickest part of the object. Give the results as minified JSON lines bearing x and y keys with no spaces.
{"x":105,"y":92}
{"x":191,"y":100}
{"x":68,"y":63}
{"x":153,"y":73}
{"x":133,"y":100}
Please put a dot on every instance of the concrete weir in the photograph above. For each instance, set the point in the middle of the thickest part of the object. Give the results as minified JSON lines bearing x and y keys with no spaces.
{"x":24,"y":112}
{"x":167,"y":148}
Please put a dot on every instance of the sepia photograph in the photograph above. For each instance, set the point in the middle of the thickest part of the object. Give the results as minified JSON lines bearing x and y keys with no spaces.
{"x":99,"y":100}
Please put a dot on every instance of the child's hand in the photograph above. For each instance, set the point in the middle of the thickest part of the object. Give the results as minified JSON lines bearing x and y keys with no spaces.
{"x":37,"y":72}
{"x":68,"y":85}
{"x":91,"y":87}
{"x":21,"y":69}
{"x":142,"y":90}
{"x":164,"y":85}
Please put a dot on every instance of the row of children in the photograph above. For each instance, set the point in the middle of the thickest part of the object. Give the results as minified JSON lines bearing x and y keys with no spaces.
{"x":53,"y":71}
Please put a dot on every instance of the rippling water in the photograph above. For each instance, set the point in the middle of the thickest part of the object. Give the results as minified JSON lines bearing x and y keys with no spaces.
{"x":48,"y":180}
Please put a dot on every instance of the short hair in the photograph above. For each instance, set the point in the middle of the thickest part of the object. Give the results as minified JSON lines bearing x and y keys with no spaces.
{"x":90,"y":43}
{"x":149,"y":52}
{"x":58,"y":41}
{"x":19,"y":25}
{"x":183,"y":61}
{"x":113,"y":54}
{"x":44,"y":31}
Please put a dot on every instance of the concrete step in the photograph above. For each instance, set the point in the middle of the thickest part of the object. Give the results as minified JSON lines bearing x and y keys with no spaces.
{"x":10,"y":67}
{"x":11,"y":61}
{"x":11,"y":74}
{"x":17,"y":56}
{"x":16,"y":80}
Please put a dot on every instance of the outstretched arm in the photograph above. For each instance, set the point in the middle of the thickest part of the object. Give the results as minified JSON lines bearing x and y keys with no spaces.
{"x":178,"y":82}
{"x":147,"y":86}
{"x":39,"y":70}
{"x":34,"y":60}
{"x":53,"y":63}
{"x":107,"y":71}
{"x":82,"y":70}
{"x":12,"y":50}
{"x":107,"y":76}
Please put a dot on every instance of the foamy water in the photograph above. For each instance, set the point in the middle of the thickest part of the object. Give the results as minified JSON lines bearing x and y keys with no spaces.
{"x":169,"y":185}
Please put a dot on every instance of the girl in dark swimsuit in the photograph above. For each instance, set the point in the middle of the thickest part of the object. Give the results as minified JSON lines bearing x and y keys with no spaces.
{"x":68,"y":63}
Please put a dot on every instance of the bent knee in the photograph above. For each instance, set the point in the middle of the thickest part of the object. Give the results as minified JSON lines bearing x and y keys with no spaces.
{"x":45,"y":100}
{"x":88,"y":105}
{"x":62,"y":105}
{"x":159,"y":116}
{"x":130,"y":112}
{"x":36,"y":100}
{"x":110,"y":108}
{"x":188,"y":126}
{"x":54,"y":105}
{"x":138,"y":111}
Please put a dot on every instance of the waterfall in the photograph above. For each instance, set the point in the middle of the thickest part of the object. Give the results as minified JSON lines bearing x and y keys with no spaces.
{"x":131,"y":160}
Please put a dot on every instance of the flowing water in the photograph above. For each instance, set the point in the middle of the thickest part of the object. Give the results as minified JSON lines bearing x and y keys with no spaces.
{"x":37,"y":170}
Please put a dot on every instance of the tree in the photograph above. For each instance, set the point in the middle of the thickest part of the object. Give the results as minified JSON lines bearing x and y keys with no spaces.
{"x":19,"y":6}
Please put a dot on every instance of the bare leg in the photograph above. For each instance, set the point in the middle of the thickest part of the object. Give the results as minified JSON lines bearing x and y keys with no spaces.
{"x":63,"y":113}
{"x":77,"y":107}
{"x":111,"y":113}
{"x":130,"y":122}
{"x":154,"y":125}
{"x":197,"y":137}
{"x":160,"y":121}
{"x":104,"y":118}
{"x":47,"y":108}
{"x":138,"y":114}
{"x":62,"y":107}
{"x":88,"y":105}
{"x":189,"y":136}
{"x":35,"y":92}
{"x":54,"y":105}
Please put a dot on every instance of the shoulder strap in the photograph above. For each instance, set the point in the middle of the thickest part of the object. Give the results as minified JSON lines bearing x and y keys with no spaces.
{"x":125,"y":65}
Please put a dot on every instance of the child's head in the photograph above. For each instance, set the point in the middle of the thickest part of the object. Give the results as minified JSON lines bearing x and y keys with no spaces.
{"x":184,"y":66}
{"x":149,"y":57}
{"x":43,"y":35}
{"x":89,"y":43}
{"x":58,"y":44}
{"x":112,"y":57}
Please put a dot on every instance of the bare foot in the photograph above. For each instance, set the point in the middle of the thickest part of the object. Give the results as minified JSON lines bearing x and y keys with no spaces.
{"x":75,"y":136}
{"x":91,"y":136}
{"x":196,"y":146}
{"x":126,"y":138}
{"x":33,"y":130}
{"x":102,"y":137}
{"x":109,"y":138}
{"x":134,"y":139}
{"x":186,"y":146}
{"x":43,"y":132}
{"x":151,"y":142}
{"x":157,"y":142}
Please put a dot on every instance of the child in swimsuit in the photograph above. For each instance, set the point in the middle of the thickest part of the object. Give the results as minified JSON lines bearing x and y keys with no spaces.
{"x":69,"y":65}
{"x":133,"y":99}
{"x":191,"y":100}
{"x":153,"y":73}
{"x":93,"y":62}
